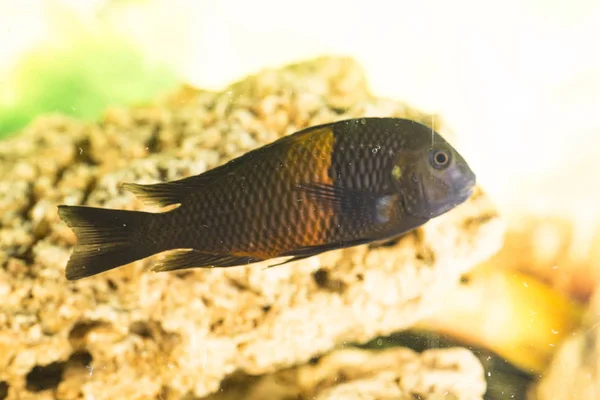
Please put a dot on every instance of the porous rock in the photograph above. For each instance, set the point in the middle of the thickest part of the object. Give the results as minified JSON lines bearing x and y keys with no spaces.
{"x":397,"y":373}
{"x":135,"y":334}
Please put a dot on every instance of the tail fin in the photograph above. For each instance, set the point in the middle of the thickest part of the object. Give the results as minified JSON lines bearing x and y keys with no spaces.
{"x":106,"y":239}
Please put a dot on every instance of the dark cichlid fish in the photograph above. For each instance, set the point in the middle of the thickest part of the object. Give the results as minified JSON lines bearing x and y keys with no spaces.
{"x":326,"y":187}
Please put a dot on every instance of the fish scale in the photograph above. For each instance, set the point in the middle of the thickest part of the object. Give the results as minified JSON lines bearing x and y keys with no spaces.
{"x":260,"y":228}
{"x":323,"y":188}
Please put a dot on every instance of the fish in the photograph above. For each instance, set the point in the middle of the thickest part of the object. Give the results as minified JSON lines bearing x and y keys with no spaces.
{"x":322,"y":188}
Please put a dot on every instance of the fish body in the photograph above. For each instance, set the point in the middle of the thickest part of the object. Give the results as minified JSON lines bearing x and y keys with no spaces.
{"x":323,"y":188}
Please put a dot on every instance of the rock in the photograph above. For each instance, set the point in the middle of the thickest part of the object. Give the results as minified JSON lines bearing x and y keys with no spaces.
{"x":562,"y":250}
{"x":398,"y":373}
{"x":134,"y":334}
{"x":574,"y":373}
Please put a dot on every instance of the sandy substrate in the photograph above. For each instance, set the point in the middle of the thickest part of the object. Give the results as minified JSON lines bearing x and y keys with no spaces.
{"x":134,"y":334}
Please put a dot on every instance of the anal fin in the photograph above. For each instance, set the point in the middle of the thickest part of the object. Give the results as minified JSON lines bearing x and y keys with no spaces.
{"x":185,"y":259}
{"x":296,"y":258}
{"x":310,"y":251}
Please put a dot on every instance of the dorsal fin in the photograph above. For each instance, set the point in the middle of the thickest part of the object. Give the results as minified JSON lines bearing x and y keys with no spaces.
{"x":169,"y":193}
{"x":160,"y":194}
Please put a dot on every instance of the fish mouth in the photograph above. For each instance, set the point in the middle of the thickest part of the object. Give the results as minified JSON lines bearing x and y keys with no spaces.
{"x":434,"y":209}
{"x":465,"y":193}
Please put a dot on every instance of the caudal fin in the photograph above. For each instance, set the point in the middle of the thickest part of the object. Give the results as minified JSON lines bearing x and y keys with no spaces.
{"x":106,"y":239}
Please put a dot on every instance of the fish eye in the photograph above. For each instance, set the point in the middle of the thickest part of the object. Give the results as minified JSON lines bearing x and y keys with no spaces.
{"x":440,"y":158}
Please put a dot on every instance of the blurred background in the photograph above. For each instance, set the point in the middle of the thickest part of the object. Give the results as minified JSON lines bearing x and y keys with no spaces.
{"x":517,"y":81}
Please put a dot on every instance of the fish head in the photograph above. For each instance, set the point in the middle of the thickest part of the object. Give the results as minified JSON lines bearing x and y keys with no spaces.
{"x":432,"y":177}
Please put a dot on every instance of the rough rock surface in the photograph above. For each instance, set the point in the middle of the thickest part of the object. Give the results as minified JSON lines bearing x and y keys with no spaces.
{"x":135,"y":334}
{"x":349,"y":374}
{"x":574,"y":373}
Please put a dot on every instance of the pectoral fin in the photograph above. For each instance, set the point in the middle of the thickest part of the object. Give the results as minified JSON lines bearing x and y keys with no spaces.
{"x":367,"y":206}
